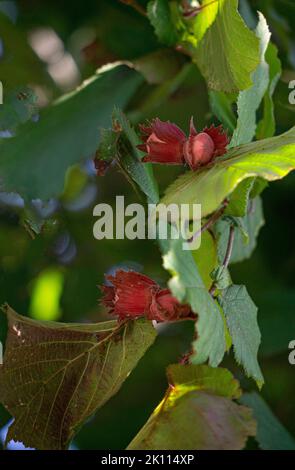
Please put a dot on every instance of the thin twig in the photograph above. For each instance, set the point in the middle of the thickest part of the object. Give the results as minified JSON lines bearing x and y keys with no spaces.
{"x":227,"y":256}
{"x":229,"y":248}
{"x":212,"y":289}
{"x":214,"y":217}
{"x":135,"y":5}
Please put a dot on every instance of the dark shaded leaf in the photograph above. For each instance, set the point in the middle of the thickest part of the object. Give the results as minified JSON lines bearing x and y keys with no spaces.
{"x":19,"y":64}
{"x":271,"y":434}
{"x":56,"y":375}
{"x":159,"y":14}
{"x":130,"y":157}
{"x":221,"y":105}
{"x":19,"y":106}
{"x":34,"y":162}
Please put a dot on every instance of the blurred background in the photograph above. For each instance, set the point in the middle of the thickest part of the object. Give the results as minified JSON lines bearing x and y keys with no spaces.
{"x":55,"y":275}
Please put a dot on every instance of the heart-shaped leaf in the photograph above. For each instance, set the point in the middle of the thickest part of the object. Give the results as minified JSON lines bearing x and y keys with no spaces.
{"x":55,"y":376}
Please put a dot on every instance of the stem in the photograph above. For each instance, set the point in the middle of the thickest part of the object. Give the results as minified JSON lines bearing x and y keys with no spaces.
{"x":191,"y":12}
{"x":227,"y":256}
{"x":214,"y":217}
{"x":229,"y":247}
{"x":135,"y":5}
{"x":212,"y":290}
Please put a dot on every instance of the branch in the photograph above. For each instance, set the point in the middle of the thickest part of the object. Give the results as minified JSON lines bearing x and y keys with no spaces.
{"x":227,"y":256}
{"x":229,"y":248}
{"x":135,"y":5}
{"x":191,"y":12}
{"x":214,"y":217}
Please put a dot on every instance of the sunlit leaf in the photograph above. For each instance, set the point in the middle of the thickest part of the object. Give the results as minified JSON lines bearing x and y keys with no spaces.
{"x":206,"y":258}
{"x":250,"y":99}
{"x":203,"y":20}
{"x":270,"y":159}
{"x":228,"y":59}
{"x":198,"y":413}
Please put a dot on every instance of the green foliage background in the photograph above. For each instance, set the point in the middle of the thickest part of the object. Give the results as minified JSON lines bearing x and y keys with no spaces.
{"x":67,"y":252}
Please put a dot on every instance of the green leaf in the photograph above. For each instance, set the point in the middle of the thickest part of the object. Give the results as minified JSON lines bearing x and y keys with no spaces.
{"x":130,"y":158}
{"x":221,"y":277}
{"x":34,"y":162}
{"x":219,"y":381}
{"x":271,"y":434}
{"x":266,"y":127}
{"x":259,"y":186}
{"x":245,"y":235}
{"x":188,"y":287}
{"x":249,"y":100}
{"x":229,"y":51}
{"x":107,"y":148}
{"x":206,"y":258}
{"x":197,"y":412}
{"x":198,"y":25}
{"x":56,"y":375}
{"x":241,"y":317}
{"x":160,"y":16}
{"x":252,"y":223}
{"x":239,"y":199}
{"x":19,"y":106}
{"x":270,"y":159}
{"x":221,"y":105}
